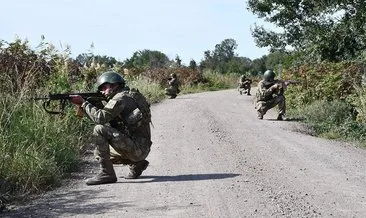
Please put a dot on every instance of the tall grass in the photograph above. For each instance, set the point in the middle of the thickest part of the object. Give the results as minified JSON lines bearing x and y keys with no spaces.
{"x":359,"y":100}
{"x":37,"y":149}
{"x":335,"y":119}
{"x":150,"y":89}
{"x":212,"y":81}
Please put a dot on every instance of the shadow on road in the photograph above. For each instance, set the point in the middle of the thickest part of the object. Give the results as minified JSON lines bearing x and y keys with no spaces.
{"x":68,"y":203}
{"x":80,"y":202}
{"x":180,"y":178}
{"x":293,"y":119}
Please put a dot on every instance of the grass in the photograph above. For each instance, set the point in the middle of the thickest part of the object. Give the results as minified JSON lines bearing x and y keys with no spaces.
{"x":332,"y":120}
{"x":37,"y":149}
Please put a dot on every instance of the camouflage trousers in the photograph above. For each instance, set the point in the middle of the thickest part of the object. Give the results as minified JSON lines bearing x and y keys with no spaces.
{"x":244,"y":87}
{"x":171,"y":91}
{"x":112,"y":143}
{"x":263,"y":106}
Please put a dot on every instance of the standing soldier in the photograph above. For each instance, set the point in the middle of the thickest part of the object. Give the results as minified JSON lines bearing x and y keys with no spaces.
{"x":173,"y":90}
{"x":269,"y":94}
{"x":244,"y":85}
{"x":123,"y":123}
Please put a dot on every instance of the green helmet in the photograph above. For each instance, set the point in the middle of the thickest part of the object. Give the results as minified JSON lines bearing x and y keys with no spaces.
{"x":269,"y":76}
{"x":110,"y":77}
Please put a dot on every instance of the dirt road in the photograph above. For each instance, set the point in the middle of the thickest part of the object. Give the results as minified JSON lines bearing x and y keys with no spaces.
{"x":212,"y":157}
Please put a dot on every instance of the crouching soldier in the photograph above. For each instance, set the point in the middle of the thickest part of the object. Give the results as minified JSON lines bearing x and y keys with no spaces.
{"x":173,"y":90}
{"x":122,"y":125}
{"x":244,"y":85}
{"x":269,"y":94}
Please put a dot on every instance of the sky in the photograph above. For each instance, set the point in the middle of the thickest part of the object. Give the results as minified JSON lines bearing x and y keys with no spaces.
{"x":118,"y":28}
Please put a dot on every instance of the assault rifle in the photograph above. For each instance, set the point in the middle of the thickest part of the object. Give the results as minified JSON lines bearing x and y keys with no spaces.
{"x":284,"y":84}
{"x":95,"y":98}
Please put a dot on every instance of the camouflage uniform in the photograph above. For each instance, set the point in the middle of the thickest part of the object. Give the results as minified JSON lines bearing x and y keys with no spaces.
{"x":173,"y":89}
{"x":268,"y":96}
{"x":130,"y":142}
{"x":245,"y":84}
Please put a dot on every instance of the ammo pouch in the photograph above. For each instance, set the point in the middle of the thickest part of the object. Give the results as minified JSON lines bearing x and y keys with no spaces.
{"x":134,"y":117}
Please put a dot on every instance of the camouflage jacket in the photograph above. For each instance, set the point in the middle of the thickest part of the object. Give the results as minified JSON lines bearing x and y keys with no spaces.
{"x":116,"y":113}
{"x":266,"y":91}
{"x":174,"y":83}
{"x":245,"y":81}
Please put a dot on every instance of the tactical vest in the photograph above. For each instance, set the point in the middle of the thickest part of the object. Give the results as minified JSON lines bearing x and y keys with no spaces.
{"x":143,"y":113}
{"x":136,"y":118}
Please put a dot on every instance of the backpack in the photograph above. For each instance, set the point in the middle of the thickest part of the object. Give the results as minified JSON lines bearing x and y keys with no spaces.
{"x":142,"y":104}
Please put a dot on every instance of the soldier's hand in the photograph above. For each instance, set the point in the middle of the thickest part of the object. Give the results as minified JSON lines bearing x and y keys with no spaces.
{"x":276,"y":86}
{"x":77,"y":100}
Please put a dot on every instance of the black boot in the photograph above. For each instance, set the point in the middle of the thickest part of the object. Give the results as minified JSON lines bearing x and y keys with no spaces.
{"x":136,"y":169}
{"x":281,"y":117}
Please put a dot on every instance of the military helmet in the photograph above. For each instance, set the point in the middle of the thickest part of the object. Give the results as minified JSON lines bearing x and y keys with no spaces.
{"x":269,"y":75}
{"x":110,"y":77}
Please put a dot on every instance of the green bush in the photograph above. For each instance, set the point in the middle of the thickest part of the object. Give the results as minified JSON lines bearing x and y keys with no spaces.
{"x":334,"y":119}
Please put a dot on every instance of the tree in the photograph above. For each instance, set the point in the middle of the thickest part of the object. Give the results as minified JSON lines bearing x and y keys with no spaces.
{"x":328,"y":30}
{"x":87,"y":59}
{"x":193,"y":64}
{"x":218,"y":59}
{"x":178,"y":61}
{"x":147,"y":58}
{"x":258,"y":66}
{"x":225,"y":50}
{"x":240,"y":65}
{"x":276,"y":58}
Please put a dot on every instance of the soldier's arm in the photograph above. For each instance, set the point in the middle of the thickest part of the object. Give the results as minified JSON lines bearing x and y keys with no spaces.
{"x":110,"y":111}
{"x":266,"y":92}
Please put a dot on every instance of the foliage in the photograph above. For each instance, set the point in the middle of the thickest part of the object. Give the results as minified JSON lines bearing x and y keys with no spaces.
{"x":21,"y":67}
{"x":324,"y":81}
{"x":327,"y":30}
{"x":192,"y":65}
{"x":88,"y":59}
{"x":32,"y":158}
{"x":142,"y":60}
{"x":160,"y":75}
{"x":258,"y":66}
{"x":219,"y":59}
{"x":333,"y":119}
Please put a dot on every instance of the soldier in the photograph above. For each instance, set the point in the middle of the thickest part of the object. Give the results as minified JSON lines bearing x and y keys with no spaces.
{"x":269,"y":94}
{"x":122,"y":126}
{"x":173,"y":90}
{"x":244,"y":84}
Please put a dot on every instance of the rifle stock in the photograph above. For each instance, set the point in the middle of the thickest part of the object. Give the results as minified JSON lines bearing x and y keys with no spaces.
{"x":95,"y":98}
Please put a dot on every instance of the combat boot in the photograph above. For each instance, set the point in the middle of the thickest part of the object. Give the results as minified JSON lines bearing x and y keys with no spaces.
{"x":136,"y":169}
{"x":105,"y":176}
{"x":260,"y":115}
{"x":281,"y":117}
